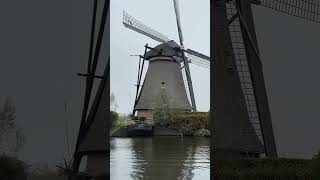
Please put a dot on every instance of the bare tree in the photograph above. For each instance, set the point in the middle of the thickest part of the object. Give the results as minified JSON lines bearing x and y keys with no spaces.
{"x":113,"y":102}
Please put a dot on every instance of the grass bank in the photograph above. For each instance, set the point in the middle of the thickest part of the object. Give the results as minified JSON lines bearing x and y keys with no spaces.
{"x":267,"y":169}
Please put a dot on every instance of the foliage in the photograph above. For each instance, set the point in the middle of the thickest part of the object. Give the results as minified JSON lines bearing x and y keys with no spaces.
{"x":122,"y":121}
{"x":7,"y":117}
{"x":124,"y":124}
{"x":202,"y":132}
{"x":263,"y":169}
{"x":162,"y":117}
{"x":8,"y":125}
{"x":12,"y":168}
{"x":113,"y":102}
{"x":167,"y":114}
{"x":190,"y":122}
{"x":114,"y":116}
{"x":21,"y":140}
{"x":196,"y":123}
{"x":316,"y":166}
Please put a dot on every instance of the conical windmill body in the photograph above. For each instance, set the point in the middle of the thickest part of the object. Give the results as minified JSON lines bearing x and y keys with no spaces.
{"x":163,"y":85}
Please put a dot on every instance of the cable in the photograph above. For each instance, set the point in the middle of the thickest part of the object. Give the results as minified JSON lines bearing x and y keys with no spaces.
{"x":67,"y":128}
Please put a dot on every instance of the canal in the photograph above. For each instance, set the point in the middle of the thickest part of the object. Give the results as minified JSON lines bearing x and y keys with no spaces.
{"x":160,"y":158}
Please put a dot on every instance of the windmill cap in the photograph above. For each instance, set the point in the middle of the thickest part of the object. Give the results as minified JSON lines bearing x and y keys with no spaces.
{"x":169,"y":49}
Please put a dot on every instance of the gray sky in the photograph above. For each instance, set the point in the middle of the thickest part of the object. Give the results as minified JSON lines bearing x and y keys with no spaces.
{"x":159,"y":15}
{"x":44,"y":43}
{"x":289,"y":49}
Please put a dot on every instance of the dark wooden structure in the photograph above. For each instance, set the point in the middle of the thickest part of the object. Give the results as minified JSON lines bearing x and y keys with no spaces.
{"x":242,"y":124}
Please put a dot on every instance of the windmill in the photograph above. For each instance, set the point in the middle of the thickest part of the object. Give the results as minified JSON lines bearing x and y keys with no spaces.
{"x":168,"y":72}
{"x":93,"y":135}
{"x":242,"y":124}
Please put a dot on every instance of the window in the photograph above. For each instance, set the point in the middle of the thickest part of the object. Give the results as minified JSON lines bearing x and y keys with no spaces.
{"x":163,"y":85}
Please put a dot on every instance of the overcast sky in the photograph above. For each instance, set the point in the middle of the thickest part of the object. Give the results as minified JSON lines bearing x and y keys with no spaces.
{"x":159,"y":15}
{"x":289,"y":49}
{"x":44,"y":43}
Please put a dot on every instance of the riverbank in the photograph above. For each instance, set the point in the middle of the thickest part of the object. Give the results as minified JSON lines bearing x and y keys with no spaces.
{"x":264,"y":169}
{"x":165,"y":122}
{"x":155,"y":131}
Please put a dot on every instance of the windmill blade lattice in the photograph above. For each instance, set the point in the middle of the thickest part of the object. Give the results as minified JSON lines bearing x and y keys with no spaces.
{"x":198,"y":55}
{"x":242,"y":67}
{"x":186,"y":72}
{"x":198,"y":61}
{"x":197,"y":58}
{"x":135,"y":25}
{"x":305,"y":9}
{"x":185,"y":81}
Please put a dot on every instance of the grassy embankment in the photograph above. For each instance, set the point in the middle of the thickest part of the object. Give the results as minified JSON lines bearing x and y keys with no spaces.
{"x":269,"y":169}
{"x":195,"y":123}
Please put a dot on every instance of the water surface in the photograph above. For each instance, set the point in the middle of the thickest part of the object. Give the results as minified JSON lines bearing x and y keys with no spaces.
{"x":160,"y":158}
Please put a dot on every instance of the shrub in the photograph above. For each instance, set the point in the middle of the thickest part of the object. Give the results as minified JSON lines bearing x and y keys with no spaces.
{"x":162,"y":118}
{"x":316,"y":166}
{"x":202,"y":132}
{"x":114,"y":116}
{"x":12,"y":168}
{"x":9,"y":129}
{"x":264,"y":169}
{"x":189,"y":122}
{"x":196,"y":123}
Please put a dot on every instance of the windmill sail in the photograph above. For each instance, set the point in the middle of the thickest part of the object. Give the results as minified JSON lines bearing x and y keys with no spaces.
{"x":231,"y":100}
{"x":199,"y":55}
{"x":185,"y":62}
{"x":262,"y":113}
{"x":134,"y":24}
{"x":198,"y":58}
{"x":239,"y":51}
{"x":305,"y":9}
{"x":199,"y":62}
{"x":176,"y":9}
{"x":94,"y":129}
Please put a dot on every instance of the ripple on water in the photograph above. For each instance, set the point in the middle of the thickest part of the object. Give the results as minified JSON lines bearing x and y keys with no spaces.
{"x":160,"y":158}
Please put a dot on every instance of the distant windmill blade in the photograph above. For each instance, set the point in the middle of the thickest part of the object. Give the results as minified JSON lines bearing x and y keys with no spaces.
{"x":176,"y":9}
{"x":198,"y":55}
{"x":185,"y":81}
{"x":198,"y":58}
{"x":186,"y":63}
{"x":198,"y":61}
{"x":135,"y":25}
{"x":305,"y":9}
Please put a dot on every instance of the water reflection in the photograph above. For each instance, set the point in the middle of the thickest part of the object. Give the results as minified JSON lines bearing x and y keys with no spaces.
{"x":160,"y":158}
